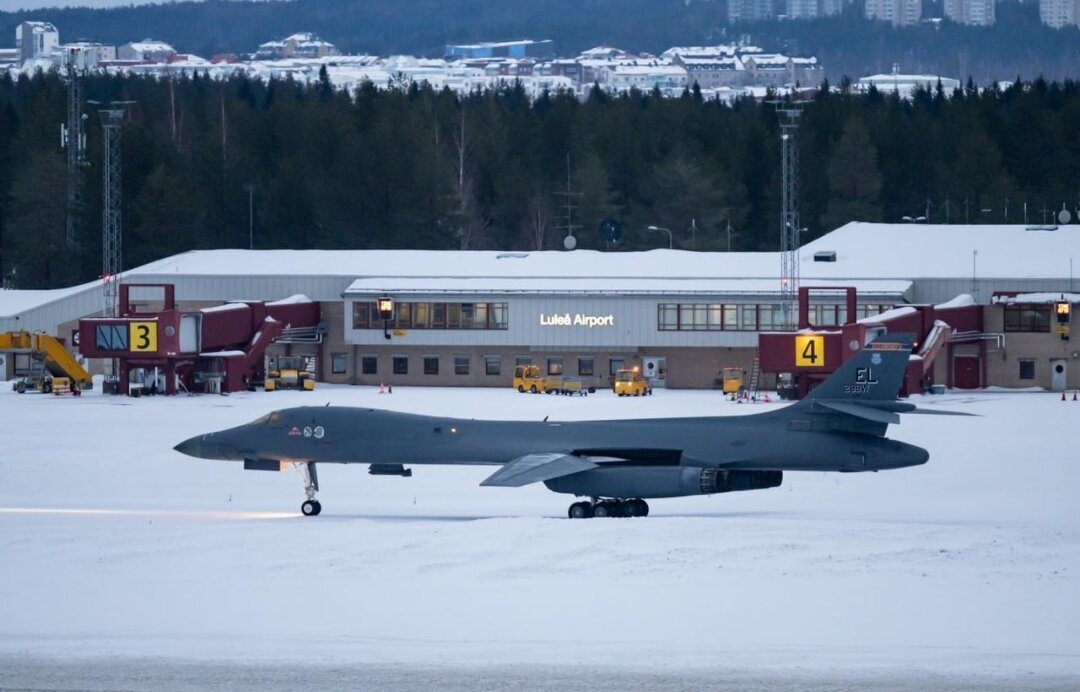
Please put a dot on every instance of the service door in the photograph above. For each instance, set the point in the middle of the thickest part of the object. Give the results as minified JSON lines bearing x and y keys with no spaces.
{"x":190,"y":332}
{"x":655,"y":371}
{"x":1058,"y":373}
{"x":967,"y":372}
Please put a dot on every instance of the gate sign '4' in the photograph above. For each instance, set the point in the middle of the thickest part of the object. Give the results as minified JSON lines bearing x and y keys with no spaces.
{"x":810,"y":351}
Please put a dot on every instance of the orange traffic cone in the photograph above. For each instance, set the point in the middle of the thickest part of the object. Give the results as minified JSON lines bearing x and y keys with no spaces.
{"x":382,"y":388}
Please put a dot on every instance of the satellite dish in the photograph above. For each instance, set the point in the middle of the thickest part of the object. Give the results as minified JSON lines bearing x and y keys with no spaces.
{"x":610,"y":231}
{"x":569,"y":242}
{"x":1064,"y":216}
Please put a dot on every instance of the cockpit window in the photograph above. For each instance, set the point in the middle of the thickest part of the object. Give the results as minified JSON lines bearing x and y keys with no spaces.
{"x":273,"y":418}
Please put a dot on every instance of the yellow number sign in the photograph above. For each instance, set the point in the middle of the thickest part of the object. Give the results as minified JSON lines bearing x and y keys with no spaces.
{"x":143,"y":336}
{"x":810,"y":351}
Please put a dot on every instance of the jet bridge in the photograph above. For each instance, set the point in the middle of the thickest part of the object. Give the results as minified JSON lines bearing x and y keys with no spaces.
{"x":814,"y":352}
{"x":213,"y":349}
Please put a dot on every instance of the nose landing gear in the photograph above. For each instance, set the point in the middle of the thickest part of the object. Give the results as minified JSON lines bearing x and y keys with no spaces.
{"x":310,"y":507}
{"x":608,"y":508}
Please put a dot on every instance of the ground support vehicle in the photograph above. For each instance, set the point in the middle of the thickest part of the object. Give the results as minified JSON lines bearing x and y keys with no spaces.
{"x":630,"y":382}
{"x":289,"y":372}
{"x":527,"y":378}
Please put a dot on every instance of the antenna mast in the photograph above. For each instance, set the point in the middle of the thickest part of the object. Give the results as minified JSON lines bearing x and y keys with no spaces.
{"x":73,"y":138}
{"x":569,"y":242}
{"x":790,"y":227}
{"x":111,"y":238}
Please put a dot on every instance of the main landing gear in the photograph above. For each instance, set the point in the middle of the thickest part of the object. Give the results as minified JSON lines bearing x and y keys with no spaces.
{"x":608,"y":508}
{"x":311,"y":507}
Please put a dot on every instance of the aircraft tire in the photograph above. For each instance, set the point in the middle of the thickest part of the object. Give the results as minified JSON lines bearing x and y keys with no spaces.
{"x":602,"y":509}
{"x":580,"y":510}
{"x":311,"y":508}
{"x":637,"y":508}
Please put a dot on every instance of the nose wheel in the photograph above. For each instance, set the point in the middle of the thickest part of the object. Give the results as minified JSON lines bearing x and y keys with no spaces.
{"x":310,"y":507}
{"x":608,"y":508}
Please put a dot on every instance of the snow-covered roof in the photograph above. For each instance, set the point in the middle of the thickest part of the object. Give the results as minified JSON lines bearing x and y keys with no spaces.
{"x":700,"y":51}
{"x":916,"y":250}
{"x":149,"y":45}
{"x":876,"y":257}
{"x":1036,"y":298}
{"x":716,"y":63}
{"x":404,"y":285}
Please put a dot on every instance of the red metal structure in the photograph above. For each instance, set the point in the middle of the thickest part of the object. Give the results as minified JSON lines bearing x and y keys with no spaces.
{"x":218,"y":347}
{"x":813,"y":353}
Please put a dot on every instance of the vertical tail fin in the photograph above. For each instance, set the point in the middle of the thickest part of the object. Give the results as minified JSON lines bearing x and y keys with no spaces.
{"x":872,"y":375}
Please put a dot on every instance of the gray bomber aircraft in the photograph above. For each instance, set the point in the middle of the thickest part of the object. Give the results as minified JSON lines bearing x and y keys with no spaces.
{"x":617,"y":464}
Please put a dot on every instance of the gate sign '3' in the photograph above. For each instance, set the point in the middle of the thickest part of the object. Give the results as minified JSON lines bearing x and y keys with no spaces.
{"x":143,"y":336}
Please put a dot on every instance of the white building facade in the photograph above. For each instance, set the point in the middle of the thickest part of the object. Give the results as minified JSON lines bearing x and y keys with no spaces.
{"x":971,"y":12}
{"x":896,"y":12}
{"x":1059,"y":13}
{"x":35,"y":40}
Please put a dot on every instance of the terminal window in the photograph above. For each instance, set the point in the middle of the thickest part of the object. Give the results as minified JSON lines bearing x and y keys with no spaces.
{"x":554,"y":365}
{"x":431,"y":365}
{"x":585,"y":366}
{"x":338,"y":363}
{"x":492,"y":365}
{"x":615,"y":365}
{"x":1027,"y":318}
{"x":461,"y":365}
{"x":433,"y":316}
{"x":111,"y":337}
{"x":369,"y":365}
{"x":1027,"y":369}
{"x":401,"y":365}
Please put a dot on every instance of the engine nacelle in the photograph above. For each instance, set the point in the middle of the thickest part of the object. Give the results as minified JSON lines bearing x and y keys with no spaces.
{"x":661,"y":481}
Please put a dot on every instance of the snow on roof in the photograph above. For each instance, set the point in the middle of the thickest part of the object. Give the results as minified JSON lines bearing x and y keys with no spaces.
{"x":876,"y":256}
{"x":918,"y":250}
{"x":647,"y":69}
{"x":726,"y":63}
{"x":292,"y":300}
{"x":149,"y":45}
{"x":1036,"y":298}
{"x":13,"y":302}
{"x":585,"y":284}
{"x":226,"y":307}
{"x":887,"y":315}
{"x":964,"y":300}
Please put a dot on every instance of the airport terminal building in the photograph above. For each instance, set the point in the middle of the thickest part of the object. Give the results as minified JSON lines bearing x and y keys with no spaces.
{"x":467,"y":318}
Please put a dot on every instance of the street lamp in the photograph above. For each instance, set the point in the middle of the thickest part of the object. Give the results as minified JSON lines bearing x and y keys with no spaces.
{"x":670,"y":240}
{"x":386,"y":312}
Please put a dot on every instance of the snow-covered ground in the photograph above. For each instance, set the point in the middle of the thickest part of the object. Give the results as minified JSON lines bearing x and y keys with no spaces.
{"x":118,"y":554}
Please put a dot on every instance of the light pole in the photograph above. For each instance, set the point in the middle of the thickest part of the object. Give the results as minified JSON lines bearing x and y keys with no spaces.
{"x":670,"y":240}
{"x":250,"y":187}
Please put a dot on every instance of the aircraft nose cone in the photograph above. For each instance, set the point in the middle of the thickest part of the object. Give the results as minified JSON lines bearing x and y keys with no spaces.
{"x":189,"y":447}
